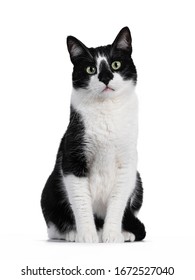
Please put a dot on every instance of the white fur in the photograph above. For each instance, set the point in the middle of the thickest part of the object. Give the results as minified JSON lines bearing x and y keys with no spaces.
{"x":53,"y":233}
{"x":110,"y":120}
{"x":128,"y":236}
{"x":71,"y":236}
{"x":80,"y":200}
{"x":99,"y":59}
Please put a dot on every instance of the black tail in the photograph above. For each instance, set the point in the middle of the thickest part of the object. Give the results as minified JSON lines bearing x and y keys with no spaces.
{"x":137,"y":195}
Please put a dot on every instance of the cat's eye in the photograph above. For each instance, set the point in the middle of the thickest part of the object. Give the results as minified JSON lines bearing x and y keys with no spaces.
{"x":91,"y":70}
{"x":116,"y":65}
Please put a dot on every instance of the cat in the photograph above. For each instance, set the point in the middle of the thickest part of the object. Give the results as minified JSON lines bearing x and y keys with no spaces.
{"x":95,"y":192}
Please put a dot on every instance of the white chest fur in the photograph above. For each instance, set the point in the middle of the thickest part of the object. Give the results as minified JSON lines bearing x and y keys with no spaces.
{"x":111,"y":137}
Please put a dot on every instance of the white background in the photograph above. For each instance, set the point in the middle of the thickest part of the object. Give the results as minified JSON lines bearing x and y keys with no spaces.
{"x":35,"y":88}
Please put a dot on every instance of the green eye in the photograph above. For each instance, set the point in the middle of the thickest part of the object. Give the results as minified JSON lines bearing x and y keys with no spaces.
{"x":91,"y":70}
{"x":116,"y":65}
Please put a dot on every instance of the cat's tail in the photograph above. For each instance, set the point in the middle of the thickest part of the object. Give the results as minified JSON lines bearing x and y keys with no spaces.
{"x":137,"y":195}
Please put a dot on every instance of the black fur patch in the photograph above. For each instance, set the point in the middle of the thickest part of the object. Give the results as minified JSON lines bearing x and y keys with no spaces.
{"x":80,"y":78}
{"x":137,"y":196}
{"x":55,"y":204}
{"x":132,"y":224}
{"x":72,"y":147}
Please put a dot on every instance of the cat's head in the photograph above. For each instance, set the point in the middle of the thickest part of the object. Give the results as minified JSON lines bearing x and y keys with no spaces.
{"x":103,"y":71}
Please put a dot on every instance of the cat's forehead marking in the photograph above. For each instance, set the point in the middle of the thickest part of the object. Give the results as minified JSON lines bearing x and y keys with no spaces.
{"x":100,"y":59}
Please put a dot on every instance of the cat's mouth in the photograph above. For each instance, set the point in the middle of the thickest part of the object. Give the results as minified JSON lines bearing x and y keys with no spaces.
{"x":107,"y":89}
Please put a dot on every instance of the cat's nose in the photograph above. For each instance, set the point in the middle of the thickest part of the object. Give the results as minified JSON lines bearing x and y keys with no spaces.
{"x":105,"y":77}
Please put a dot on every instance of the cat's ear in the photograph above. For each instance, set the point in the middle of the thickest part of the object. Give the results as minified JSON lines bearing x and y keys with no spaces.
{"x":123,"y":40}
{"x":76,"y":48}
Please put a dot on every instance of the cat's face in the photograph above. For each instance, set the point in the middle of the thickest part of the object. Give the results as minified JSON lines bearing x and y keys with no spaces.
{"x":103,"y":72}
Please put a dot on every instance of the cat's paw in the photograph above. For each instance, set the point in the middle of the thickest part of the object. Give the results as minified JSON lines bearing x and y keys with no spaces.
{"x":88,"y":236}
{"x":71,"y":236}
{"x":112,"y":237}
{"x":128,"y":236}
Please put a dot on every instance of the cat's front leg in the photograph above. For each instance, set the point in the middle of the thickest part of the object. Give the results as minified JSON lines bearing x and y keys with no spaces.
{"x":80,"y":200}
{"x":125,"y":183}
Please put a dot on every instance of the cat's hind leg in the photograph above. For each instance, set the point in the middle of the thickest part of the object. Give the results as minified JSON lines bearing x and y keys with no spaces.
{"x":128,"y":236}
{"x":133,"y":226}
{"x":54,"y":234}
{"x":57,"y":209}
{"x":133,"y":229}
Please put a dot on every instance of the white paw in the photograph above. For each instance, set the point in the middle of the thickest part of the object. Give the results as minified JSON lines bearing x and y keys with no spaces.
{"x":112,"y":237}
{"x":71,"y":236}
{"x":128,"y":236}
{"x":88,"y":236}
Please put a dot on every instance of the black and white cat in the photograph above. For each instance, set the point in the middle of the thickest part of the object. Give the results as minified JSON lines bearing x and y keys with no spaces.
{"x":95,"y":191}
